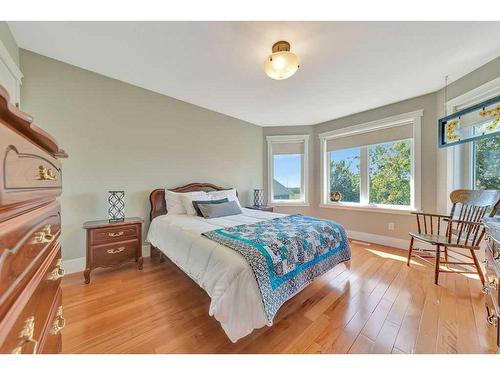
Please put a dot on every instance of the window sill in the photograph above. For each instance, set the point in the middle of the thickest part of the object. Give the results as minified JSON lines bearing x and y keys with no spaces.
{"x":367,"y":208}
{"x":289,"y":204}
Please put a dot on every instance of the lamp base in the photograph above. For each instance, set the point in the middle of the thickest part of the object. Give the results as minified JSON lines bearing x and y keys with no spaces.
{"x":116,"y":220}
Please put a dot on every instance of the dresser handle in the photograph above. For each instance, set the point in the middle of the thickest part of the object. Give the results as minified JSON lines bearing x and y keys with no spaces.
{"x":57,"y":272}
{"x":493,"y":284}
{"x":485,"y":289}
{"x":26,"y":336}
{"x":46,"y":174}
{"x":492,"y":319}
{"x":485,"y":262}
{"x":45,"y":235}
{"x":117,"y":234}
{"x":116,"y":251}
{"x":59,"y":322}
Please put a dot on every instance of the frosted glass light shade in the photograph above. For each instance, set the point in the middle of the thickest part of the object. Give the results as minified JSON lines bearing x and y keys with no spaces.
{"x":281,"y":65}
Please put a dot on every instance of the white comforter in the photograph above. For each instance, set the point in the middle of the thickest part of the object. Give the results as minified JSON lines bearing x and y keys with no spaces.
{"x":223,"y":273}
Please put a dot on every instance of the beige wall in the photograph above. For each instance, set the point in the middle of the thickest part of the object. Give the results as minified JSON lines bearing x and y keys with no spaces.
{"x":365,"y":221}
{"x":119,"y":136}
{"x":433,"y":169}
{"x":9,"y":41}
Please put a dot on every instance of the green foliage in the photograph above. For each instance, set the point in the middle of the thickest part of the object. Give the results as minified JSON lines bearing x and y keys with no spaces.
{"x":390,"y":170}
{"x":345,"y":178}
{"x":487,"y":163}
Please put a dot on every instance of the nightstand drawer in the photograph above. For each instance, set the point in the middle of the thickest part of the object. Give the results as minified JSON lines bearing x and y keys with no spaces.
{"x":114,"y":234}
{"x":113,"y":254}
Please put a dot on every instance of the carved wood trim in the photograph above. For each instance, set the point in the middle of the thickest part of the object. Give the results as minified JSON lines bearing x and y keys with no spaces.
{"x":23,"y":124}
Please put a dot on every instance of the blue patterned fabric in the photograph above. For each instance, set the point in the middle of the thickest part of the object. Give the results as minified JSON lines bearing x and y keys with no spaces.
{"x":286,"y":253}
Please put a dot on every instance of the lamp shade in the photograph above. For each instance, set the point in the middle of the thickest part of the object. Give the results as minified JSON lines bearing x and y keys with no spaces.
{"x":282,"y":63}
{"x":258,"y":197}
{"x":116,"y":202}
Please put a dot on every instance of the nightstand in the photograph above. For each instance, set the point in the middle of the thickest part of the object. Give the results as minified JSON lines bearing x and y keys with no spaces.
{"x":112,"y":244}
{"x":261,"y":208}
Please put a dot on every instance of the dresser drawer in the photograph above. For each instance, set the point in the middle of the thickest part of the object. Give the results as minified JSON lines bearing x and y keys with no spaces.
{"x":24,"y":244}
{"x":492,"y":280}
{"x":25,"y":326}
{"x":27,"y":172}
{"x":113,"y":254}
{"x":52,"y":341}
{"x":114,"y":234}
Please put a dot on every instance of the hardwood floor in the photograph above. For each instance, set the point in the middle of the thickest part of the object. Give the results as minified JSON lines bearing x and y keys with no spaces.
{"x":379,"y":305}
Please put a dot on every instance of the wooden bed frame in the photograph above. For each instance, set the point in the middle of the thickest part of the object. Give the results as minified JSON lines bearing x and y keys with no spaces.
{"x":159,"y":206}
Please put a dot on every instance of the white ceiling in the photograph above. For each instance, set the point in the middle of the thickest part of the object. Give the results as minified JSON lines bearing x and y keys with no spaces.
{"x":346,"y":67}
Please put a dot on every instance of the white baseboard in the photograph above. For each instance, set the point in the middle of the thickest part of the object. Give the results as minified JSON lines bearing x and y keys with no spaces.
{"x":398,"y":243}
{"x":78,"y":264}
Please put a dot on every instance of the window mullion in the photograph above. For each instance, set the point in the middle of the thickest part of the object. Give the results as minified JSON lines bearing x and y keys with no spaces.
{"x":364,"y":185}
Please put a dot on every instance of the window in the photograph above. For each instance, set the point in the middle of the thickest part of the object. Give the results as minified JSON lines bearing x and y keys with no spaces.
{"x":472,"y":165}
{"x":287,"y":165}
{"x":345,"y":176}
{"x":390,"y":173}
{"x":486,"y":163}
{"x":374,"y":165}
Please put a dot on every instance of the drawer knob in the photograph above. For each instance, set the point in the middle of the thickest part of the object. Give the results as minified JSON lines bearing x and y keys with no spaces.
{"x":59,"y":322}
{"x":26,"y":336}
{"x":116,"y":234}
{"x":116,"y":251}
{"x":46,"y":174}
{"x":57,"y":272}
{"x":493,"y":284}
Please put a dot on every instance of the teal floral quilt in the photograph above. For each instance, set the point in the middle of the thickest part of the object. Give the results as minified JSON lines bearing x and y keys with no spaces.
{"x":286,"y":253}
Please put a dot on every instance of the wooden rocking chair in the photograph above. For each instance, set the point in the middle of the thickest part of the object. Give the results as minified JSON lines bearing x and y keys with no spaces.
{"x":463,"y":232}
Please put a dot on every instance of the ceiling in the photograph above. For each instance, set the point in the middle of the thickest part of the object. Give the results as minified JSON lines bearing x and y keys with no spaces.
{"x":346,"y":67}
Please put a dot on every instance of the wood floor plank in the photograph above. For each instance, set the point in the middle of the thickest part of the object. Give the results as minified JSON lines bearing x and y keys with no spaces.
{"x":377,"y":305}
{"x":447,"y":340}
{"x":362,"y":345}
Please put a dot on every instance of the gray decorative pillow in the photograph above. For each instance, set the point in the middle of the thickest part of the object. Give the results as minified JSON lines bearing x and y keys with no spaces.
{"x":216,"y":201}
{"x":211,"y":211}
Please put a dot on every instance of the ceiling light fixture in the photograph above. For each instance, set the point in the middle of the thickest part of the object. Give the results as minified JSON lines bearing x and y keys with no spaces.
{"x":282,"y":63}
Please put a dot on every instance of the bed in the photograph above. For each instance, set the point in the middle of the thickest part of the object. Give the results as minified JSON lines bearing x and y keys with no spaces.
{"x":238,"y":298}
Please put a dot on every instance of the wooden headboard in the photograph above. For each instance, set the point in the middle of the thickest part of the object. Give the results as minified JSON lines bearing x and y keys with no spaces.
{"x":157,"y":196}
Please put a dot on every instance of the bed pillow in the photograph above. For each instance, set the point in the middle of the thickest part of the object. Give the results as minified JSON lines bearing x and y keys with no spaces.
{"x":187,"y":201}
{"x":211,"y":211}
{"x":174,"y":202}
{"x":196,"y":203}
{"x":221,"y":194}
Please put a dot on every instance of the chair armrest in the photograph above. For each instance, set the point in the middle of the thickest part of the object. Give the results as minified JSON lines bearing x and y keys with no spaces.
{"x":465,"y":222}
{"x":430,"y":214}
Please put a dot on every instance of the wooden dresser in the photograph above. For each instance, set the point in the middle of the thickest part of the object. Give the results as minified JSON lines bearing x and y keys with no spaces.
{"x":492,"y":274}
{"x":31,"y":315}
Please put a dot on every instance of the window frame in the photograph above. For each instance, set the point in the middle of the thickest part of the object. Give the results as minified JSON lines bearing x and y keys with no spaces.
{"x":273,"y":139}
{"x":415,"y":119}
{"x":460,"y":158}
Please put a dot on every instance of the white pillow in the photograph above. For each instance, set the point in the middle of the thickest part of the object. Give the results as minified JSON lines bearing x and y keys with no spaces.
{"x":221,"y":194}
{"x":188,"y":198}
{"x":174,"y":201}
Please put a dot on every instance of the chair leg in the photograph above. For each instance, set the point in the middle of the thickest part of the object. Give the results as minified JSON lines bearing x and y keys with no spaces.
{"x":409,"y":252}
{"x":438,"y":260}
{"x":478,"y":267}
{"x":446,"y":253}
